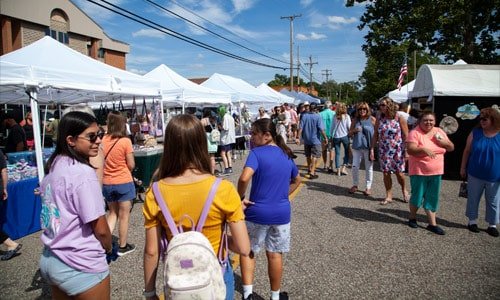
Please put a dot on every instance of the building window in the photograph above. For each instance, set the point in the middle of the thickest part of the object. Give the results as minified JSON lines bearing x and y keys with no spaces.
{"x":57,"y":35}
{"x":59,"y":26}
{"x":100,"y":53}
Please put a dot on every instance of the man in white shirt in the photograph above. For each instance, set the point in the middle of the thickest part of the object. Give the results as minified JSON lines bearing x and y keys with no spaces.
{"x":227,"y":139}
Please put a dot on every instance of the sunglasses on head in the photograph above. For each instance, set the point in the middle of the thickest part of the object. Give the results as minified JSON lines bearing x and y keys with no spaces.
{"x":92,"y":137}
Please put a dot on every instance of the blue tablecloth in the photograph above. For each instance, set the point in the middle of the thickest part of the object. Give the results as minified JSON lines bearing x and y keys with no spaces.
{"x":20,"y":214}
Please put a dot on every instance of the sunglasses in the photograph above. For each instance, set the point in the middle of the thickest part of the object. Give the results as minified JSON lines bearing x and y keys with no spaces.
{"x":92,"y":137}
{"x":362,"y":108}
{"x":382,"y":105}
{"x":483,"y":119}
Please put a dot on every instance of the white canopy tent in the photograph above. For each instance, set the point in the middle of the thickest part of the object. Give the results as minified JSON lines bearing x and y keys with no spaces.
{"x":49,"y":72}
{"x":457,"y":80}
{"x":402,"y":95}
{"x":271,"y":92}
{"x":179,"y":91}
{"x":240,"y":90}
{"x":299,"y":97}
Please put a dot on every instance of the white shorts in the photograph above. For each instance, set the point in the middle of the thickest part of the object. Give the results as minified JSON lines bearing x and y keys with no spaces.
{"x":275,"y":237}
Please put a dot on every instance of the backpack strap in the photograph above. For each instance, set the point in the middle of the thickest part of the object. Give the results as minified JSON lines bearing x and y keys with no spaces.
{"x":164,"y":209}
{"x":168,"y":215}
{"x":208,"y":204}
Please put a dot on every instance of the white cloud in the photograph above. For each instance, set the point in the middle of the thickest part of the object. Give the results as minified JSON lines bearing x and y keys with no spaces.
{"x":306,"y":3}
{"x":196,"y":66}
{"x":143,"y":59}
{"x":242,"y":5}
{"x":336,"y":20}
{"x":319,"y":20}
{"x":200,"y":56}
{"x":312,"y":36}
{"x":149,"y":33}
{"x":137,"y":71}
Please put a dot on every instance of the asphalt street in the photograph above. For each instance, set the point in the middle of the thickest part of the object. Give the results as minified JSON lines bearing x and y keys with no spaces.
{"x":343,"y":247}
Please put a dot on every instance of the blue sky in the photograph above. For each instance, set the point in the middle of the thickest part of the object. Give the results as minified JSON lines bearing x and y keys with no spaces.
{"x":326,"y":31}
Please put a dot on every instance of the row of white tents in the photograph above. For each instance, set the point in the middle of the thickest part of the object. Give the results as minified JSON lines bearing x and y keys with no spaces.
{"x":48,"y":72}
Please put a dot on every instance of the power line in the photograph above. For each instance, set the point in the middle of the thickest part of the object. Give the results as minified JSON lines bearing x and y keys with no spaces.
{"x":214,"y":24}
{"x":210,"y":31}
{"x":178,"y":35}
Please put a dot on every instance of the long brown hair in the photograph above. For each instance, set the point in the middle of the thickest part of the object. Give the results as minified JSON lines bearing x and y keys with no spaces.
{"x":185,"y":147}
{"x":117,"y":125}
{"x":267,"y":125}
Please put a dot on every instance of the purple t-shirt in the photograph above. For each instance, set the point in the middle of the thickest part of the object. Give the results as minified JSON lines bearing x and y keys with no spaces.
{"x":273,"y":170}
{"x":71,"y":199}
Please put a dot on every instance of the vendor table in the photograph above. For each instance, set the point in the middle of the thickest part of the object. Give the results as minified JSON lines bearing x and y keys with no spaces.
{"x":146,"y":162}
{"x":20,"y":214}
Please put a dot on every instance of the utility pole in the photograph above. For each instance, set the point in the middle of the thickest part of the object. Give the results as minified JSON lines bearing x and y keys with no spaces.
{"x":291,"y":18}
{"x":298,"y":68}
{"x":327,"y":73}
{"x":310,"y":64}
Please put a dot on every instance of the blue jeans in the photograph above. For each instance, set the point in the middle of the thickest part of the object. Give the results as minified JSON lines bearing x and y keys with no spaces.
{"x":475,"y":188}
{"x":229,"y":281}
{"x":345,"y":142}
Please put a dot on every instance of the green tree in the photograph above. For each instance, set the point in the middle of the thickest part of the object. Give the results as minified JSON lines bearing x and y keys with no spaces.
{"x":437,"y":31}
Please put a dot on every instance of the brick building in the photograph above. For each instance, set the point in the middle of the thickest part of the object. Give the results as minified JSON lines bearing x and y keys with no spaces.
{"x":26,"y":21}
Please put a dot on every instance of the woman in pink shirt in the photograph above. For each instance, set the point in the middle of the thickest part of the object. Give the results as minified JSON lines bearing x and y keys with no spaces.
{"x":426,"y":146}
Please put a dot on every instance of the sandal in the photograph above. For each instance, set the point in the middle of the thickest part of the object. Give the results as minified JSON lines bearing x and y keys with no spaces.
{"x":11,"y":253}
{"x":385,"y":201}
{"x":353,"y":189}
{"x":368,"y":192}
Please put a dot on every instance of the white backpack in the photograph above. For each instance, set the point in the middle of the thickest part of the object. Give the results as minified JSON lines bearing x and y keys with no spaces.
{"x":191,"y":268}
{"x":215,"y":135}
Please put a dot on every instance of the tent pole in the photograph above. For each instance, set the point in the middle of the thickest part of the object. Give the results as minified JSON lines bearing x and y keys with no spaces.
{"x":36,"y":130}
{"x":162,"y":116}
{"x":241,"y":123}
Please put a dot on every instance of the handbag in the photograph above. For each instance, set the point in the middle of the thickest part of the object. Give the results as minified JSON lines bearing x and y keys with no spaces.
{"x":463,"y":190}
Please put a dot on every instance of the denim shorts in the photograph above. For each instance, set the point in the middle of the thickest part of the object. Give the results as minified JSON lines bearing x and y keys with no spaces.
{"x":276,"y":238}
{"x":70,"y":281}
{"x":119,"y":192}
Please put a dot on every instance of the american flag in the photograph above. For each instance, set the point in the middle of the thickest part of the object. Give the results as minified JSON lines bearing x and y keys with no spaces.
{"x":402,"y":73}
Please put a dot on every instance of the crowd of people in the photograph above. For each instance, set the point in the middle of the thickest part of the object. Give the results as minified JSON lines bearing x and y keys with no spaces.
{"x":90,"y":164}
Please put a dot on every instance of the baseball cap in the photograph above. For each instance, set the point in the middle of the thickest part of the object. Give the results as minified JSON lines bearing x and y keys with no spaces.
{"x":306,"y":103}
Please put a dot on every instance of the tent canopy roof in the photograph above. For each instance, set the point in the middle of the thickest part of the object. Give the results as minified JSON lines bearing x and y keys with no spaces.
{"x":271,"y":92}
{"x":240,"y":90}
{"x":176,"y":90}
{"x":457,"y":80}
{"x":402,"y":95}
{"x":63,"y":75}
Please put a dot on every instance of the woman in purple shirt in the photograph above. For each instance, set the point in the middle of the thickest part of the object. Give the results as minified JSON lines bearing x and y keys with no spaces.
{"x":76,"y":236}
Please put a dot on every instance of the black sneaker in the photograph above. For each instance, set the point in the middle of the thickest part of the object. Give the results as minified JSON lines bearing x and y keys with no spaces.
{"x":436,"y":229}
{"x":126,"y":250}
{"x":492,"y":231}
{"x":473,"y":228}
{"x":250,"y":297}
{"x":412,"y":223}
{"x":330,"y":171}
{"x":230,"y":169}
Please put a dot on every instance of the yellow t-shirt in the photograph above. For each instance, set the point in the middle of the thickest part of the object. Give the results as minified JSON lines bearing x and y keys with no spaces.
{"x":189,"y":199}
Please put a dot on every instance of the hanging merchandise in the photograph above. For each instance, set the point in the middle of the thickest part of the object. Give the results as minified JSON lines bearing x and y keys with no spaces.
{"x":134,"y":125}
{"x":156,"y":118}
{"x":144,"y":119}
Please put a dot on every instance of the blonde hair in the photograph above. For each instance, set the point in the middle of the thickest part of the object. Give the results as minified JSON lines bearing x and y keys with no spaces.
{"x":341,"y":110}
